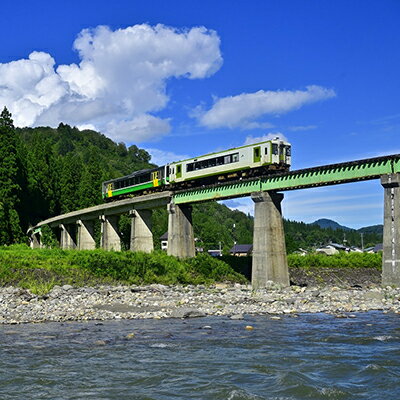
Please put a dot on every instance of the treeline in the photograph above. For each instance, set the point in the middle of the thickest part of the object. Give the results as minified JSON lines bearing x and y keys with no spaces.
{"x":45,"y":172}
{"x":310,"y":236}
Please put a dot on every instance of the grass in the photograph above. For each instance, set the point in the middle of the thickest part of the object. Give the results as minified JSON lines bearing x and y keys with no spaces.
{"x":39,"y":270}
{"x":340,"y":260}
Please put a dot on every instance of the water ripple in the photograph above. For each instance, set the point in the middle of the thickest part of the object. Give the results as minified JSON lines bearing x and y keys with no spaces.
{"x":310,"y":357}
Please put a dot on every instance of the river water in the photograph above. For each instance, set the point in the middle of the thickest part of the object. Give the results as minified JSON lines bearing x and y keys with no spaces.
{"x":314,"y":356}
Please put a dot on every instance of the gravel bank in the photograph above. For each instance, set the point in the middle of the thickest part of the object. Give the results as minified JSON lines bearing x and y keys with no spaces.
{"x":157,"y":301}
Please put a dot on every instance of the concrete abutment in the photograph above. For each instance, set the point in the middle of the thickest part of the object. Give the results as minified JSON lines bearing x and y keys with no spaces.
{"x":391,"y":230}
{"x":269,"y":248}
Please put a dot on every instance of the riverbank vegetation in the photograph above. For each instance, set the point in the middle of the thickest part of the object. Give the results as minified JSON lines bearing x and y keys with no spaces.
{"x":41,"y":269}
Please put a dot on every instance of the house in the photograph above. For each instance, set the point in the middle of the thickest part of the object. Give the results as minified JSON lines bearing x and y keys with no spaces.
{"x":332,"y":248}
{"x":241,"y":250}
{"x":328,"y":250}
{"x":375,"y":249}
{"x":215,"y":253}
{"x":301,"y":252}
{"x":164,"y":241}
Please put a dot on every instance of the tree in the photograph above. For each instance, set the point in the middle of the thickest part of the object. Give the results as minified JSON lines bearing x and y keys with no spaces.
{"x":10,"y":229}
{"x":91,"y":180}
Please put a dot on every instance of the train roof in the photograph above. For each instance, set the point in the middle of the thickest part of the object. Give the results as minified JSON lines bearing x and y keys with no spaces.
{"x":232,"y":149}
{"x":133,"y":174}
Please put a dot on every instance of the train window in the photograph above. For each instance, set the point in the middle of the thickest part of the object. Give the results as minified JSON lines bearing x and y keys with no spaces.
{"x":288,"y":151}
{"x":274,"y":148}
{"x":257,"y":152}
{"x":266,"y":150}
{"x":189,"y":167}
{"x":227,"y":159}
{"x":235,"y":157}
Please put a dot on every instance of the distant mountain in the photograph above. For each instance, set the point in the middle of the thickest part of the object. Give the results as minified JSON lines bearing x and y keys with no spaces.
{"x":372,"y":229}
{"x":325,"y":223}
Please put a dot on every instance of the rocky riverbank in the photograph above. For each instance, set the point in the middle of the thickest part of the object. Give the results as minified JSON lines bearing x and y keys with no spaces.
{"x":157,"y":301}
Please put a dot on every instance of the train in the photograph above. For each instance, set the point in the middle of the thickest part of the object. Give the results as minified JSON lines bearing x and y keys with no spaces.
{"x":256,"y":159}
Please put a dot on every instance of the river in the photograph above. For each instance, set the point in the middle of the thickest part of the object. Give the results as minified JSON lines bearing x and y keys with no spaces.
{"x":313,"y":356}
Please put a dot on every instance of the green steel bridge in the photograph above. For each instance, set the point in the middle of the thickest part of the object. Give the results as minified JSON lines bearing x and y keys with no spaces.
{"x":333,"y":174}
{"x":76,"y":229}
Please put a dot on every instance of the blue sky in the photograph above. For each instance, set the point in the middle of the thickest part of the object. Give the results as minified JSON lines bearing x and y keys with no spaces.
{"x":183,"y":78}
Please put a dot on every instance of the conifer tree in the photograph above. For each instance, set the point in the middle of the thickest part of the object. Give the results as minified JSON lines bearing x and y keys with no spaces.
{"x":10,"y":229}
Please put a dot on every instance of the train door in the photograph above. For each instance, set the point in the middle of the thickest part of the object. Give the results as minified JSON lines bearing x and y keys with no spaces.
{"x":109,"y":189}
{"x":179,"y":171}
{"x":256,"y":154}
{"x":155,"y":176}
{"x":282,"y":158}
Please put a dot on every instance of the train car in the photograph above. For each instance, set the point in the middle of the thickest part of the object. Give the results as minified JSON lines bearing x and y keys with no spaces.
{"x":237,"y":162}
{"x":251,"y":160}
{"x":137,"y":182}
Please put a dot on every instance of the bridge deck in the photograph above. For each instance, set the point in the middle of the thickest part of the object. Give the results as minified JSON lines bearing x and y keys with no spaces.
{"x":333,"y":174}
{"x":153,"y":200}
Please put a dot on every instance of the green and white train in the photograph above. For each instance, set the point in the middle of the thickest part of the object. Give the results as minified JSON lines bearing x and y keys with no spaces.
{"x":252,"y":160}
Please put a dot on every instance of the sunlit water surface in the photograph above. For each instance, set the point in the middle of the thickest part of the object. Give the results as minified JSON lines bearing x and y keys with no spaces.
{"x":309,"y":357}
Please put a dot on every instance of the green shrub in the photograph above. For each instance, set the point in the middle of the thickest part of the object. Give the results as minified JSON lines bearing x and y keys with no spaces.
{"x":40,"y":269}
{"x":340,"y":260}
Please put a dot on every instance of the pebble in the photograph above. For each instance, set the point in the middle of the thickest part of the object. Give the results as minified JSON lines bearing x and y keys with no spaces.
{"x":102,"y":303}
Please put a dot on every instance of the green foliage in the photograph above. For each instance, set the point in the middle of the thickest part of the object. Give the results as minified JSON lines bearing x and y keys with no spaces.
{"x":214,"y":223}
{"x":341,"y":260}
{"x":204,"y":266}
{"x":41,"y":269}
{"x":308,"y":236}
{"x":10,"y":228}
{"x":241,"y":265}
{"x":48,"y":237}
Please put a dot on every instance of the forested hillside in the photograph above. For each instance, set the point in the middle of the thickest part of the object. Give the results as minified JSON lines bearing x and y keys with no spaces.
{"x":46,"y":171}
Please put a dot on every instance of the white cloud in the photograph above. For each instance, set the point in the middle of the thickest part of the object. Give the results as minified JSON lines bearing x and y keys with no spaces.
{"x":302,"y":128}
{"x":161,"y":157}
{"x":245,"y":205}
{"x":144,"y":126}
{"x":241,"y":110}
{"x":120,"y":81}
{"x":86,"y":126}
{"x":268,"y":136}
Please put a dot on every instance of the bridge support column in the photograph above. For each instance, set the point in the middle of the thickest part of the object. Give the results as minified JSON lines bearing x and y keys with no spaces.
{"x":269,"y":249}
{"x":141,"y":235}
{"x":86,"y":239}
{"x":180,"y":231}
{"x":68,"y":236}
{"x":110,"y":239}
{"x":391,"y":230}
{"x":35,"y":242}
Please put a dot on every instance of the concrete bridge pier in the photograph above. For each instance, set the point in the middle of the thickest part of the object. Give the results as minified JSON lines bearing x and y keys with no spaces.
{"x":391,"y":230}
{"x":180,"y":231}
{"x":35,"y":242}
{"x":68,"y":236}
{"x":141,"y":235}
{"x":110,"y":238}
{"x":85,"y":235}
{"x":269,"y":248}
